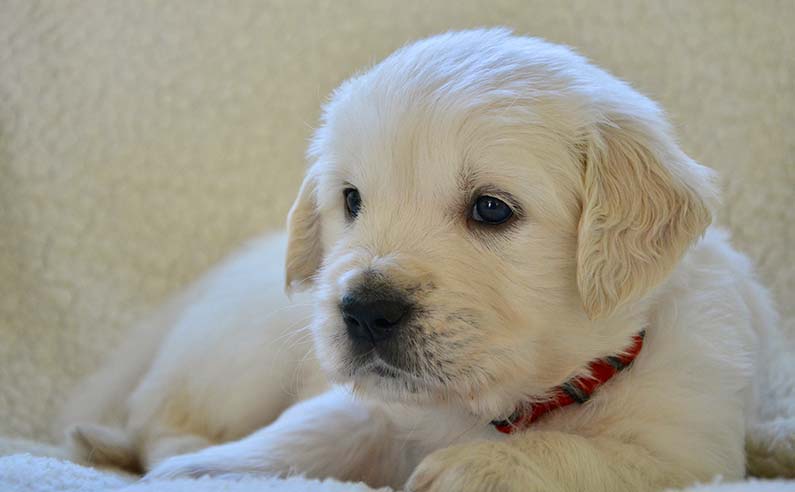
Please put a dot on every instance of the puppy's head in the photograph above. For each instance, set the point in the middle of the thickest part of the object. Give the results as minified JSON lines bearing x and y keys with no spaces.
{"x":480,"y":210}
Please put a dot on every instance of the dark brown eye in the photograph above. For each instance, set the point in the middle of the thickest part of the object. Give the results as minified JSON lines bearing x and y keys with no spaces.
{"x":490,"y":210}
{"x":353,"y":202}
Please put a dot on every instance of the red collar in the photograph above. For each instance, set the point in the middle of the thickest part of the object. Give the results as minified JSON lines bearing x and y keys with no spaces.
{"x":578,"y":390}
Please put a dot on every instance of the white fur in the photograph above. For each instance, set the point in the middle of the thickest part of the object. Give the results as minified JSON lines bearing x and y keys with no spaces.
{"x":609,"y":239}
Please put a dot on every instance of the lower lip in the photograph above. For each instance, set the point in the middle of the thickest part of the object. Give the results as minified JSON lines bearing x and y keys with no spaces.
{"x":384,"y":372}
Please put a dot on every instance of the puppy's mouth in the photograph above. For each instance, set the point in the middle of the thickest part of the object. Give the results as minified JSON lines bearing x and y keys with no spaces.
{"x":376,"y":377}
{"x":412,"y":377}
{"x":384,"y":370}
{"x":373,"y":363}
{"x":373,"y":372}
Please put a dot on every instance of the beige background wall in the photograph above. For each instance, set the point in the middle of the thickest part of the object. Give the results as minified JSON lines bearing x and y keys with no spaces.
{"x":141,"y":141}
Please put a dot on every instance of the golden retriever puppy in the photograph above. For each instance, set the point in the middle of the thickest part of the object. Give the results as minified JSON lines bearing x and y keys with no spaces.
{"x":509,"y":278}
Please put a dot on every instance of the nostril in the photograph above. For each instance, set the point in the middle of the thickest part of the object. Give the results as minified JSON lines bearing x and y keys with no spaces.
{"x":386,"y":322}
{"x":391,"y":313}
{"x":355,"y":328}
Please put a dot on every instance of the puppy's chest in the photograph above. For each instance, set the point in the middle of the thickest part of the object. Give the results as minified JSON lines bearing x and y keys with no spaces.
{"x":430,"y":429}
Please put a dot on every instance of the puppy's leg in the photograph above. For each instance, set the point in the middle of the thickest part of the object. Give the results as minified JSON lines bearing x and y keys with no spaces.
{"x":545,"y":461}
{"x":94,"y":418}
{"x":221,"y":361}
{"x":331,"y":435}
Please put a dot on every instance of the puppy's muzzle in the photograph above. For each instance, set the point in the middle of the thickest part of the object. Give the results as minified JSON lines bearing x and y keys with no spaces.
{"x":374,"y":319}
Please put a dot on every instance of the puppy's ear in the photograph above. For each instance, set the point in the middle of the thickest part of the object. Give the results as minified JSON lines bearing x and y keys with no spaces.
{"x":644,"y":203}
{"x":304,"y":248}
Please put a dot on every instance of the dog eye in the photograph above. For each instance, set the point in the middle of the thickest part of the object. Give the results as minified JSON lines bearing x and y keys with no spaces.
{"x":353,"y":202}
{"x":490,"y":210}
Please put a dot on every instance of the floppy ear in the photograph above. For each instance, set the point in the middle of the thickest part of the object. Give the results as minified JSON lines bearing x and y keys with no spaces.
{"x":644,"y":203}
{"x":304,"y":249}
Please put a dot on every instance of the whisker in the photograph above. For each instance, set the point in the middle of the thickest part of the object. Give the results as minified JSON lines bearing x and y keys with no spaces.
{"x":293,"y":331}
{"x":299,"y":367}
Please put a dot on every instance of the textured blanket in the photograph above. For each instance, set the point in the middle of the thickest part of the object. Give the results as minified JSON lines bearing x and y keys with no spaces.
{"x":26,"y":473}
{"x":141,"y":141}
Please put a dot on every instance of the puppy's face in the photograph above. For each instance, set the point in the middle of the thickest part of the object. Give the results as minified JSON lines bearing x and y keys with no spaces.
{"x":467,"y":212}
{"x":449,"y":251}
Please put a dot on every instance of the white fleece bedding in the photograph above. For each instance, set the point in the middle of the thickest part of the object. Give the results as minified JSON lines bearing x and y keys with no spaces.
{"x":141,"y":141}
{"x":27,"y":473}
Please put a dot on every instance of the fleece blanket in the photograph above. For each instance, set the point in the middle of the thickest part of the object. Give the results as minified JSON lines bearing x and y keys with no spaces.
{"x":141,"y":141}
{"x":27,"y":473}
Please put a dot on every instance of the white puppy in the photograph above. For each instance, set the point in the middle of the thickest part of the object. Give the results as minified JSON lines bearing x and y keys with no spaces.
{"x":492,"y":231}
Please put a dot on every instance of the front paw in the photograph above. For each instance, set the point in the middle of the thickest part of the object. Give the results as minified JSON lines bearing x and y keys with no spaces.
{"x":202,"y":464}
{"x":193,"y":465}
{"x":478,"y":467}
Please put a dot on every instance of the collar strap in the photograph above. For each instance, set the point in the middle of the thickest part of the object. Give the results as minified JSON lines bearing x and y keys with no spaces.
{"x":577,"y":390}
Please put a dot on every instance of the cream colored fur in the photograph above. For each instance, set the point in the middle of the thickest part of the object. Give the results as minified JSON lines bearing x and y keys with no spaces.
{"x":607,"y":241}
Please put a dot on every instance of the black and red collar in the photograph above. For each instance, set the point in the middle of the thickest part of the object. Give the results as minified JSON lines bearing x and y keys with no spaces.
{"x":577,"y":390}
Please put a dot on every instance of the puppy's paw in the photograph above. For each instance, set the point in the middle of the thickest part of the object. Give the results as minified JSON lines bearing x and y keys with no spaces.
{"x":478,"y":467}
{"x":98,"y":445}
{"x":194,"y":465}
{"x":184,"y":466}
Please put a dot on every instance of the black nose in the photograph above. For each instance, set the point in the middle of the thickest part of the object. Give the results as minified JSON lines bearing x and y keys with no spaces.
{"x":374,"y":320}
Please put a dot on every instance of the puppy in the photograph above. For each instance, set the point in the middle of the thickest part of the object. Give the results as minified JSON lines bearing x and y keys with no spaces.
{"x":509,"y":279}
